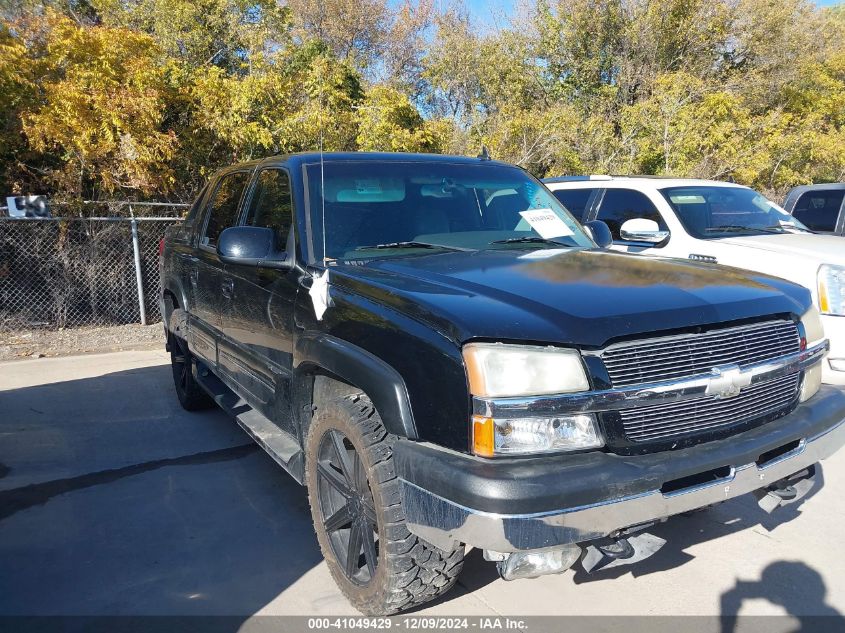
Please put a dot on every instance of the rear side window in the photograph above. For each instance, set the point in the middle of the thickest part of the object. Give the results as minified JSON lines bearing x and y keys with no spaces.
{"x":223,"y":211}
{"x":575,"y":200}
{"x":818,"y":210}
{"x":271,"y":206}
{"x":620,"y":205}
{"x":195,"y":207}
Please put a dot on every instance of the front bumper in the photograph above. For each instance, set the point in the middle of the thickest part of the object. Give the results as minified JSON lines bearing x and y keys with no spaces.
{"x":834,"y":330}
{"x":509,"y":505}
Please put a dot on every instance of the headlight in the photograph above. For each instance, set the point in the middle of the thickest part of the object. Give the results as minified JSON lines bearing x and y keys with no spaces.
{"x":520,"y":436}
{"x":496,"y":370}
{"x":814,"y":333}
{"x":831,"y":285}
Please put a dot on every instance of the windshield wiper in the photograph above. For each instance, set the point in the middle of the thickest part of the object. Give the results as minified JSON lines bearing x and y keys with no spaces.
{"x":530,"y":239}
{"x":411,"y":244}
{"x":735,"y":228}
{"x":789,"y":226}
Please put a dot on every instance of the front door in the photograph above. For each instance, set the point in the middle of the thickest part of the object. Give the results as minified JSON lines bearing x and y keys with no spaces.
{"x":617,"y":206}
{"x":258,"y":314}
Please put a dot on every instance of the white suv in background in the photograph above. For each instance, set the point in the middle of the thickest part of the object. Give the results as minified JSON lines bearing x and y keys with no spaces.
{"x":717,"y":222}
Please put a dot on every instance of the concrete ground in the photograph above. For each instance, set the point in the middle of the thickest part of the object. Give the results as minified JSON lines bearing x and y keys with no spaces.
{"x":114,"y":501}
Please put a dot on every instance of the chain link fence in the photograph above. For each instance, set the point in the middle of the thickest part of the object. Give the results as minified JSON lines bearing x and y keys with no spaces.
{"x":67,"y":272}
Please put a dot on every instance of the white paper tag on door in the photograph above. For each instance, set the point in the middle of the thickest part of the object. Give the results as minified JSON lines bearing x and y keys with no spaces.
{"x":319,"y":292}
{"x":547,"y":223}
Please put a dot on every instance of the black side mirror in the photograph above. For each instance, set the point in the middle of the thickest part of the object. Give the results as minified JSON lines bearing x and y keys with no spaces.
{"x":600,"y":233}
{"x":251,"y":246}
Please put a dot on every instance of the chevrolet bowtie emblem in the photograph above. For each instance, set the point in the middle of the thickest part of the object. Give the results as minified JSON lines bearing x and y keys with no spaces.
{"x":727,"y":381}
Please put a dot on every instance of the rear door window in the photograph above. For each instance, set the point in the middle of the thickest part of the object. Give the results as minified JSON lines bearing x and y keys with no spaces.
{"x":575,"y":200}
{"x":195,"y":207}
{"x":818,"y":210}
{"x":223,"y":210}
{"x":620,"y":205}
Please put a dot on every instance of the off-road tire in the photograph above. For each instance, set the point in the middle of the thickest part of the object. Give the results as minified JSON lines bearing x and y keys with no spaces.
{"x":409,"y":570}
{"x":191,"y":396}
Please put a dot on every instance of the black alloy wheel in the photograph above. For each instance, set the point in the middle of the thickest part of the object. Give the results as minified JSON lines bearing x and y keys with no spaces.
{"x":180,"y":362}
{"x":347,"y":507}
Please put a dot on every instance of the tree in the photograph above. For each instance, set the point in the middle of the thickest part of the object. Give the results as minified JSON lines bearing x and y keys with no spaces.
{"x":199,"y":33}
{"x":101,"y":97}
{"x":147,"y":97}
{"x":388,"y":122}
{"x":17,"y":92}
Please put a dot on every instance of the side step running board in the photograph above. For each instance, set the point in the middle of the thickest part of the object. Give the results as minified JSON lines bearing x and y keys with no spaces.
{"x":280,"y":445}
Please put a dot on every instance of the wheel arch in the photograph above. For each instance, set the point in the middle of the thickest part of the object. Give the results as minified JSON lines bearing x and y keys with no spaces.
{"x":326,"y":366}
{"x":173,"y":298}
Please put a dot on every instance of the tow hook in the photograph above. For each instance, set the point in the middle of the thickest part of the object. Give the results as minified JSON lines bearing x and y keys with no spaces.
{"x":787,"y":491}
{"x":621,"y":551}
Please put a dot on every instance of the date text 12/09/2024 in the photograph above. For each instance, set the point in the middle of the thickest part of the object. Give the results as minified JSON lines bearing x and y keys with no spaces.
{"x":416,"y":623}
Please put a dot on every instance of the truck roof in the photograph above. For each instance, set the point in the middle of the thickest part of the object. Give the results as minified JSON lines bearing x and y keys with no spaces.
{"x":819,"y":186}
{"x":309,"y":157}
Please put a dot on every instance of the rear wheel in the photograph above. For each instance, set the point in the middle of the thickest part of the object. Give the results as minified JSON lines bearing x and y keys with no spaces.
{"x":355,"y":503}
{"x":191,"y":395}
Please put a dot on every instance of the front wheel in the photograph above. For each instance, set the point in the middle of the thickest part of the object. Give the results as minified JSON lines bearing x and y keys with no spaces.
{"x":355,"y":503}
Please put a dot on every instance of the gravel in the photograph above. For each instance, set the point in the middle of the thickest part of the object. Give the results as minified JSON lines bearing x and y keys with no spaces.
{"x":38,"y":343}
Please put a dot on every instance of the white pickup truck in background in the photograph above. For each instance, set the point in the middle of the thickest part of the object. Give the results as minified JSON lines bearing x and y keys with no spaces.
{"x":721,"y":223}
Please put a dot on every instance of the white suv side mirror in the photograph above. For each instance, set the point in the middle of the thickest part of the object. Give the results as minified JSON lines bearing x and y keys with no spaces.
{"x":642,"y":230}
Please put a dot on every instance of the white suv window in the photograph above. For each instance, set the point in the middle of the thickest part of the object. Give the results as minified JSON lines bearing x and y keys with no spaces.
{"x":620,"y":205}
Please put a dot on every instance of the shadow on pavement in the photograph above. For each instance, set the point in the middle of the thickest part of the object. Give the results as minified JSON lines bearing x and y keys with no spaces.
{"x":17,"y":499}
{"x":117,"y":502}
{"x":793,"y":585}
{"x":683,"y":531}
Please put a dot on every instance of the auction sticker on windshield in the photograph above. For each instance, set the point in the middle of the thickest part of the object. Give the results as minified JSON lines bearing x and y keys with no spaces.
{"x":546,"y":222}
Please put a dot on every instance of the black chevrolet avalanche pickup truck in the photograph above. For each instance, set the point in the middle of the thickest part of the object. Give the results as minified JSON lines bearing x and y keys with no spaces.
{"x":444,"y":357}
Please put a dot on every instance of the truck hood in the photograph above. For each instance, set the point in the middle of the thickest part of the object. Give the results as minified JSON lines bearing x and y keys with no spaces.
{"x":578,"y":297}
{"x":825,"y":249}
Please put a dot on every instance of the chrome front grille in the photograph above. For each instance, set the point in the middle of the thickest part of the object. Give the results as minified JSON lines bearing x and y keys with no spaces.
{"x":683,"y":356}
{"x":663,"y":422}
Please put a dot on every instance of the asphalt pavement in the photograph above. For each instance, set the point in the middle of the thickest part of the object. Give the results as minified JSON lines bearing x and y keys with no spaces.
{"x":114,"y":501}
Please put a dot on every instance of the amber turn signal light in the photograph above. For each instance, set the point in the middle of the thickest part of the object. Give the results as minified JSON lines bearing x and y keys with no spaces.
{"x":482,"y":436}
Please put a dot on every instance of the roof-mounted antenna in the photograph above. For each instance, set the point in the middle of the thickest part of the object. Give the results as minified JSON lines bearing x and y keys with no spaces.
{"x":484,"y":155}
{"x":322,"y":163}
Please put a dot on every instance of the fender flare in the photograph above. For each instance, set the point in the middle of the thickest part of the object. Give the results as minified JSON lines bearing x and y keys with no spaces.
{"x":173,"y":287}
{"x":319,"y":352}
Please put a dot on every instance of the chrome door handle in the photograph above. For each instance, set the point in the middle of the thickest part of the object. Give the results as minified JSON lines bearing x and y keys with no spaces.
{"x":227,"y":286}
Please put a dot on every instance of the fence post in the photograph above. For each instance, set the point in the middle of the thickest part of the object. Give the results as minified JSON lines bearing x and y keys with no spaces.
{"x":138,"y":279}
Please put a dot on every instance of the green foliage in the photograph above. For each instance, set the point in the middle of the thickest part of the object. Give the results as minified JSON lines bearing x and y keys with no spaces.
{"x":98,"y":107}
{"x":16,"y":96}
{"x":388,"y":122}
{"x":116,"y":98}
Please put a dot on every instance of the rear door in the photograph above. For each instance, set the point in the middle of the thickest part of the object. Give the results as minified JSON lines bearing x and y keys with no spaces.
{"x":257,"y":349}
{"x":206,"y":274}
{"x":184,"y":258}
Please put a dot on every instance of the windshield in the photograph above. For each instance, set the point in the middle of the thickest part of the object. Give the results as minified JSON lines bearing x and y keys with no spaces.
{"x":392,"y":209}
{"x":708,"y":212}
